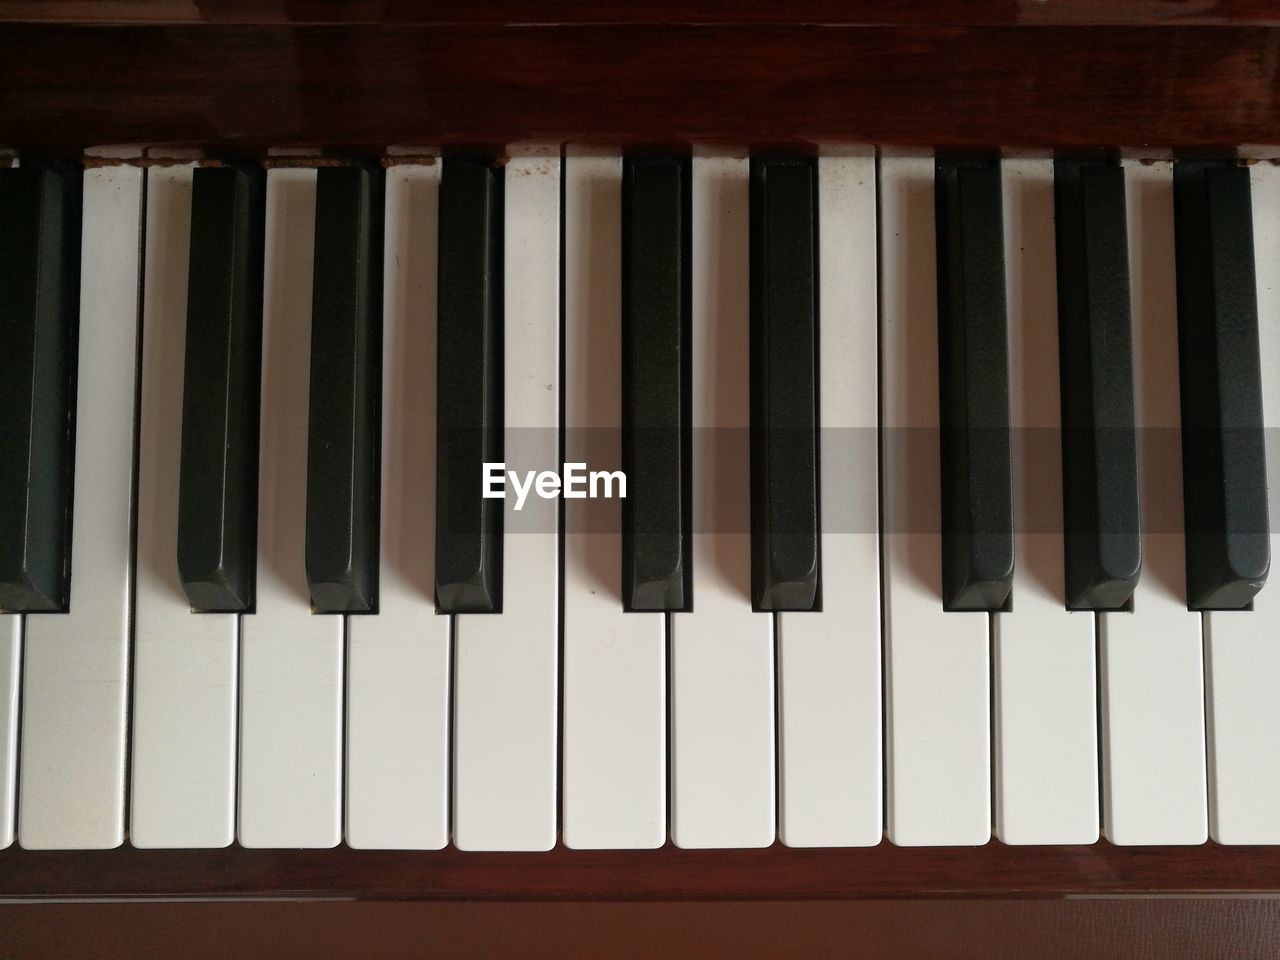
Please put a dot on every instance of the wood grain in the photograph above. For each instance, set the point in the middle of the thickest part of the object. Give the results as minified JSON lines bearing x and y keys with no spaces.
{"x":777,"y":873}
{"x":243,"y":88}
{"x":990,"y":930}
{"x":575,"y":12}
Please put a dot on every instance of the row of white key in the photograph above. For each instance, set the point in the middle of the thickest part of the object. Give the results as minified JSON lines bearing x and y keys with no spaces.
{"x":238,"y":723}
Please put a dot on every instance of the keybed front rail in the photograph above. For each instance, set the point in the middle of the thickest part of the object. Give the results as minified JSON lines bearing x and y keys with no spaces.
{"x":993,"y":871}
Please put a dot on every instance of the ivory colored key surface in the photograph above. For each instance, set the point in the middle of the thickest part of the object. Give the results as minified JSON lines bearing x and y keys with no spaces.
{"x":291,"y":660}
{"x":1151,"y":675}
{"x":398,"y":660}
{"x":829,"y":754}
{"x":1242,"y":655}
{"x":505,"y":669}
{"x":1045,"y":724}
{"x":615,"y":730}
{"x":722,"y":688}
{"x":10,"y":666}
{"x":184,"y":686}
{"x":936,"y":663}
{"x":76,"y":665}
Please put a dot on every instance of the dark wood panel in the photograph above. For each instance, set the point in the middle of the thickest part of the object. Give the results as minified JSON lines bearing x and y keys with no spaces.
{"x":556,"y":12}
{"x":668,"y":874}
{"x":992,"y":930}
{"x":243,"y":88}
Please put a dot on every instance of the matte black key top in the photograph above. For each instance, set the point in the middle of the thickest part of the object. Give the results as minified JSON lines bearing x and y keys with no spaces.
{"x":784,"y":385}
{"x":469,"y":387}
{"x":1223,"y":461}
{"x":1103,"y":549}
{"x":656,"y":435}
{"x":346,"y":363}
{"x":218,"y":490}
{"x":39,"y":320}
{"x":973,"y":377}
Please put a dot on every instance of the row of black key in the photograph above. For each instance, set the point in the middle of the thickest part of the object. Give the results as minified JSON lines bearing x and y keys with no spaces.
{"x":1224,"y":467}
{"x":217,"y":514}
{"x":1224,"y":470}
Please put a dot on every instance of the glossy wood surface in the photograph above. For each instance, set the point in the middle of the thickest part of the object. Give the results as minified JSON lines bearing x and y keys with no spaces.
{"x":956,"y":930}
{"x":777,"y":873}
{"x":560,"y":12}
{"x":243,"y":88}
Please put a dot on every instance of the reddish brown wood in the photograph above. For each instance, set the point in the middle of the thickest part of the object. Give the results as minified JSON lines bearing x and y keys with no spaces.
{"x":243,"y":88}
{"x":668,"y":874}
{"x":522,"y":12}
{"x":955,"y":930}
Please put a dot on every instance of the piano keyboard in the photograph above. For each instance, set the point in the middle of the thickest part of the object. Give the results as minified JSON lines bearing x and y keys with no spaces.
{"x":946,"y":513}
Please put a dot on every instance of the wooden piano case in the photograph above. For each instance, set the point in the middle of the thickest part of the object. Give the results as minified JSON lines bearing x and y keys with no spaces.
{"x":1147,"y":78}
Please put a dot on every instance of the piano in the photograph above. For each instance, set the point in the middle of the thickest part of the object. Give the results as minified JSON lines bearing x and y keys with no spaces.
{"x":937,"y":347}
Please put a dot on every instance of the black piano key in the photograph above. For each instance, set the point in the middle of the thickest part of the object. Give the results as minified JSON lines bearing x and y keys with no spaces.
{"x":469,"y":387}
{"x":656,"y":436}
{"x":1223,"y":461}
{"x":40,"y":205}
{"x":346,"y":364}
{"x":784,"y":385}
{"x":973,"y":377}
{"x":1103,"y":549}
{"x":218,"y":488}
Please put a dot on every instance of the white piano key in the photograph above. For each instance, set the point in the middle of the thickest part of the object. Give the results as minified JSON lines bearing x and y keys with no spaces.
{"x":184,"y":686}
{"x":937,"y":716}
{"x":76,"y":665}
{"x":10,"y":666}
{"x":722,"y":686}
{"x":1045,"y":724}
{"x":291,"y":661}
{"x":398,"y":660}
{"x":1151,"y":660}
{"x":829,"y":754}
{"x":1243,"y":648}
{"x":614,"y":709}
{"x":506,"y":664}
